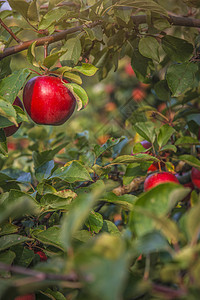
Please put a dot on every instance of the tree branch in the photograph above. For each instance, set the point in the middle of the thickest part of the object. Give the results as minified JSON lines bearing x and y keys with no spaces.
{"x":10,"y":31}
{"x":41,"y":275}
{"x":173,"y":20}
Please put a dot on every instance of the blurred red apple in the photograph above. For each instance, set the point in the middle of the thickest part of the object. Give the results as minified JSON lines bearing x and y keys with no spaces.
{"x":129,"y":70}
{"x":138,"y":94}
{"x":195,"y":176}
{"x":157,"y":178}
{"x":42,"y":255}
{"x":26,"y":297}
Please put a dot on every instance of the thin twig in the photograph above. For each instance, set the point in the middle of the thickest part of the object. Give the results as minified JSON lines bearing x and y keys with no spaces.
{"x":43,"y":40}
{"x":37,"y":274}
{"x":140,"y":19}
{"x":10,"y":32}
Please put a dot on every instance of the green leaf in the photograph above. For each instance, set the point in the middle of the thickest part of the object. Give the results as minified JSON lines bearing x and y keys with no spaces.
{"x":147,"y":5}
{"x":94,"y":222}
{"x":162,"y":90}
{"x":44,"y":171}
{"x":7,"y":257}
{"x":149,"y":47}
{"x":5,"y":69}
{"x":7,"y":110}
{"x":72,"y":173}
{"x":167,"y":226}
{"x":10,"y":240}
{"x":55,"y":202}
{"x":8,"y":228}
{"x":52,"y":17}
{"x":53,"y":3}
{"x":26,"y":257}
{"x":193,"y":222}
{"x":51,"y":236}
{"x":169,"y":148}
{"x":79,"y":93}
{"x":78,"y":213}
{"x":32,"y":13}
{"x":177,"y":49}
{"x":39,"y":158}
{"x":128,"y":159}
{"x":95,"y":33}
{"x":157,"y":202}
{"x":151,"y":242}
{"x":11,"y":85}
{"x":5,"y":13}
{"x":134,"y":170}
{"x":51,"y":59}
{"x":190,"y":160}
{"x":146,"y":130}
{"x":110,"y":143}
{"x":86,"y":69}
{"x":17,"y":174}
{"x":123,"y":14}
{"x":16,"y":204}
{"x":53,"y":294}
{"x":31,"y":56}
{"x":98,"y":32}
{"x":110,"y":228}
{"x":73,"y":77}
{"x":187,"y":140}
{"x":164,"y":134}
{"x":140,"y":63}
{"x":107,"y":266}
{"x":125,"y":201}
{"x":21,"y":6}
{"x":73,"y":48}
{"x":181,"y":77}
{"x":3,"y":143}
{"x":160,"y":23}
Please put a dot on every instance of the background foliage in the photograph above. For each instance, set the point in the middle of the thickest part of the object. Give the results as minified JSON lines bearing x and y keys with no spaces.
{"x":75,"y":192}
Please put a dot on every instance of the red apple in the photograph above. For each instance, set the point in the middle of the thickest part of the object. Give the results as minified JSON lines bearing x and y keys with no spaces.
{"x":146,"y":144}
{"x":195,"y":176}
{"x":157,"y":178}
{"x":48,"y":101}
{"x":129,"y":70}
{"x":42,"y":255}
{"x":153,"y":167}
{"x":138,"y":94}
{"x":26,"y":297}
{"x":10,"y":130}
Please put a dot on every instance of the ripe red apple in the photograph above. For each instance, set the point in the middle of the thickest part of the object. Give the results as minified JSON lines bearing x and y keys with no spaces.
{"x":153,"y":167}
{"x":157,"y":178}
{"x":129,"y":70}
{"x":138,"y":94}
{"x":146,"y":144}
{"x":48,"y":101}
{"x":10,"y":130}
{"x":26,"y":297}
{"x":42,"y":255}
{"x":195,"y":176}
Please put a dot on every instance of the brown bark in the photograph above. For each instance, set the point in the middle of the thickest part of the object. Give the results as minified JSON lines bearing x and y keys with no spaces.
{"x":173,"y":20}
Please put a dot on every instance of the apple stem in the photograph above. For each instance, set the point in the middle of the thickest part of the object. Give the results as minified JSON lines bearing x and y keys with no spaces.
{"x":159,"y":166}
{"x":46,"y":49}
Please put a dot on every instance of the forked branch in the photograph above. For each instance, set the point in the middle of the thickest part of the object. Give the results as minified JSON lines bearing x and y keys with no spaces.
{"x":58,"y":36}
